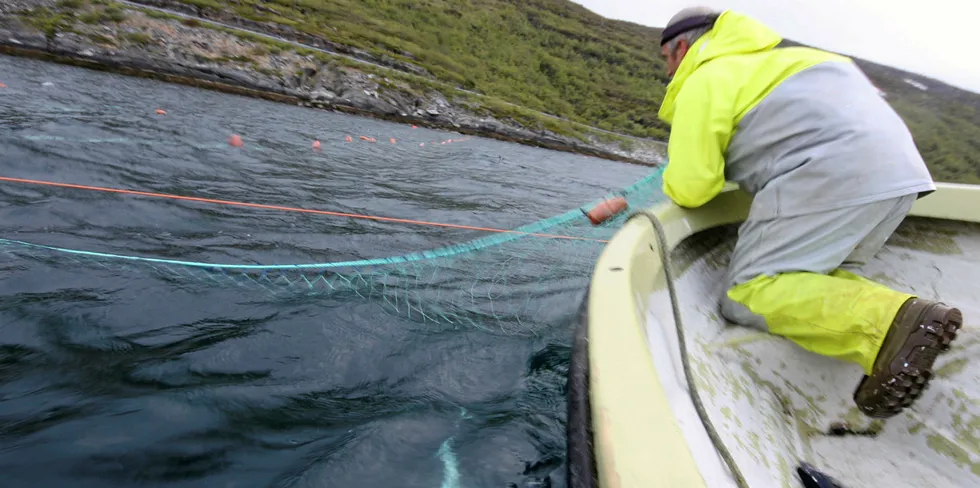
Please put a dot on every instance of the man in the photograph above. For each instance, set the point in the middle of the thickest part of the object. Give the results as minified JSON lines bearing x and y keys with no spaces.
{"x":833,"y":171}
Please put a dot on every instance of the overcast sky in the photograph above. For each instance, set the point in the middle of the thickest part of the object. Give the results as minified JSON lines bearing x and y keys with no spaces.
{"x":937,"y":38}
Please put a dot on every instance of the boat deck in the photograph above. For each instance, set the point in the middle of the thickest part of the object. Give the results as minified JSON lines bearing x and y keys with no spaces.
{"x":775,"y":404}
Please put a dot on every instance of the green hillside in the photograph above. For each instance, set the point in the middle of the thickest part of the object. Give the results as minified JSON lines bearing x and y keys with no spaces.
{"x":557,"y":57}
{"x":550,"y":55}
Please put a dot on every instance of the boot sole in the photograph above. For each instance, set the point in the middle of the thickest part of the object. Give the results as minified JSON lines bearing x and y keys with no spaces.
{"x":906,"y":382}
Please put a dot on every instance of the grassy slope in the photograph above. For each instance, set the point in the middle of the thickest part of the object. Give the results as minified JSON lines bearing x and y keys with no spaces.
{"x":557,"y":57}
{"x":548,"y":55}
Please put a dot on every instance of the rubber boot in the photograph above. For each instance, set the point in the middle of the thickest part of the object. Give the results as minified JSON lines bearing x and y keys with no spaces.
{"x":922,"y":330}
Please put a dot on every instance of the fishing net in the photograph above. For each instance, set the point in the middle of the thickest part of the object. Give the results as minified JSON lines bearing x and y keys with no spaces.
{"x":505,"y":282}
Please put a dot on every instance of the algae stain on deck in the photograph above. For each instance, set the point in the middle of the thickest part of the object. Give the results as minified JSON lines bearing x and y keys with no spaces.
{"x":952,"y":368}
{"x":948,"y":448}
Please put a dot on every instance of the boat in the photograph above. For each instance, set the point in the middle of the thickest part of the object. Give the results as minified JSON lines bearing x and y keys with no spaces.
{"x":762,"y":412}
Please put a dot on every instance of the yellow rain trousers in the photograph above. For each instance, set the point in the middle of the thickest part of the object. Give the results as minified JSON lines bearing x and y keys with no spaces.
{"x":791,"y":276}
{"x":849,"y":321}
{"x":832,"y":169}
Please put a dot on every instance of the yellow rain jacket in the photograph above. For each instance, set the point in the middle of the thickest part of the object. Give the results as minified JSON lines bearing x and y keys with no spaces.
{"x":806,"y":133}
{"x":801,"y":129}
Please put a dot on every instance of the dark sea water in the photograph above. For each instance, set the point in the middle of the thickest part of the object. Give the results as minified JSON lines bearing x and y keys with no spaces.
{"x":114,"y":376}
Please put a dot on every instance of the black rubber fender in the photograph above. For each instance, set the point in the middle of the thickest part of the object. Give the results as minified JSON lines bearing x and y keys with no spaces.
{"x":580,"y":462}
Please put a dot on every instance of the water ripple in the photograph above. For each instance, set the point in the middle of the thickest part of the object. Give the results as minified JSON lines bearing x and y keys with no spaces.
{"x":119,"y":377}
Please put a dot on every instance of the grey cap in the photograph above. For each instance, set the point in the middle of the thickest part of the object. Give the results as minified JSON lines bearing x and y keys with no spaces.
{"x":687,"y":19}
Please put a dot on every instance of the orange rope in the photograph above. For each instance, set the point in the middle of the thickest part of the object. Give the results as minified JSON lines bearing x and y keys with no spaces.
{"x":287,"y":209}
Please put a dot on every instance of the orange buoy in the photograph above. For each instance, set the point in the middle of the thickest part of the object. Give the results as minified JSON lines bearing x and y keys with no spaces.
{"x":392,"y":140}
{"x":316,"y":145}
{"x":161,"y":111}
{"x":415,"y":127}
{"x":235,"y":140}
{"x":606,"y":210}
{"x":348,"y":139}
{"x":2,"y":85}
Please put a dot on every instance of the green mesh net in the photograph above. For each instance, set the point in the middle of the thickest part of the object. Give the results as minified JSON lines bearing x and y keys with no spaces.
{"x":506,"y":282}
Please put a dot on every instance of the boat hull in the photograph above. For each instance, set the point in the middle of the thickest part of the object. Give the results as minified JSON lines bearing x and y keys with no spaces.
{"x":772,"y":404}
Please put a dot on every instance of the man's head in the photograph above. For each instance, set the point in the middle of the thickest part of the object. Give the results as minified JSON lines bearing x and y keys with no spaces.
{"x":683,"y":29}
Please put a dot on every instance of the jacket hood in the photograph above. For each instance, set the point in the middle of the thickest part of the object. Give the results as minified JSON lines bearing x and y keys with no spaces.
{"x":733,"y":33}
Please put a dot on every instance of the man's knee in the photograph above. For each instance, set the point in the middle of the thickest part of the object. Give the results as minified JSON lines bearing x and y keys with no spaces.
{"x":740,"y":314}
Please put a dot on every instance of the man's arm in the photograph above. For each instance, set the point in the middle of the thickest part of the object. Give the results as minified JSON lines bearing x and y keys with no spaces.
{"x":699,"y":136}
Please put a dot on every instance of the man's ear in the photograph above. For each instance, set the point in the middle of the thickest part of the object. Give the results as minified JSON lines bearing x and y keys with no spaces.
{"x":682,"y":47}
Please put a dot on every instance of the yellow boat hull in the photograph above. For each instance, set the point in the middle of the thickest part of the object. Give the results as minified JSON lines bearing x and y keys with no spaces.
{"x":632,"y":421}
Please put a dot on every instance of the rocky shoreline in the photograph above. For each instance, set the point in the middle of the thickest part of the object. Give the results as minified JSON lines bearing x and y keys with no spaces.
{"x":114,"y":37}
